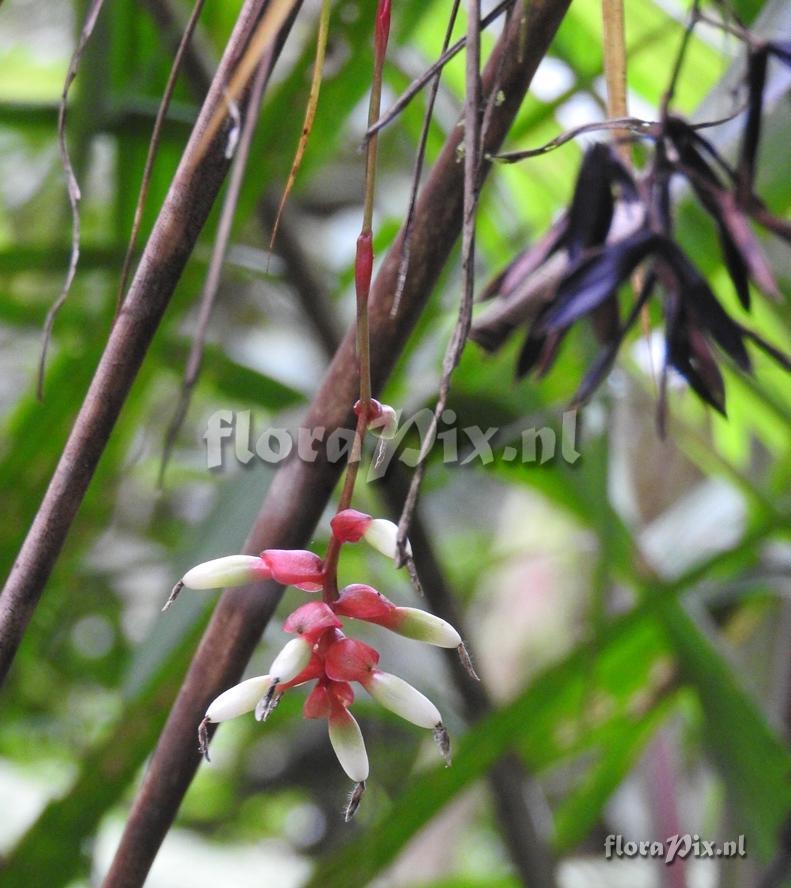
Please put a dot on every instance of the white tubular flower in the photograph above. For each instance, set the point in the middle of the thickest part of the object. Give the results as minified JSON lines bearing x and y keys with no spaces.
{"x":233,"y":570}
{"x":239,"y":699}
{"x":386,"y":424}
{"x":412,"y":622}
{"x":400,"y":697}
{"x":381,"y":534}
{"x":347,"y":741}
{"x":294,"y":657}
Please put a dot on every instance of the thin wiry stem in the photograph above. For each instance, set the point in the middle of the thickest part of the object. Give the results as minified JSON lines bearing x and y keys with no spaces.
{"x":417,"y":85}
{"x":420,"y":155}
{"x":219,"y":250}
{"x":310,"y":114}
{"x":72,"y":187}
{"x":363,"y":268}
{"x":472,"y":155}
{"x":153,"y":146}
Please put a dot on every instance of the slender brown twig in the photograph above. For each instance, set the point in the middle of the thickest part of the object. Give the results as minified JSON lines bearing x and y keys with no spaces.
{"x":418,"y":85}
{"x":472,"y":157}
{"x":420,"y":155}
{"x":72,"y":187}
{"x":153,"y":145}
{"x":212,"y":283}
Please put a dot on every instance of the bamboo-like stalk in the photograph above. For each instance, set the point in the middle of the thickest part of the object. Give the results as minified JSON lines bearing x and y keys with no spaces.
{"x":300,"y":490}
{"x":190,"y":198}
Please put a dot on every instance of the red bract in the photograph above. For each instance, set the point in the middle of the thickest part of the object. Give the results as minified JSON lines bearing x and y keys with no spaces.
{"x":349,"y":525}
{"x":326,"y":697}
{"x":311,"y":620}
{"x":295,"y":567}
{"x":375,"y":409}
{"x":364,"y":603}
{"x":350,"y":660}
{"x":318,"y":703}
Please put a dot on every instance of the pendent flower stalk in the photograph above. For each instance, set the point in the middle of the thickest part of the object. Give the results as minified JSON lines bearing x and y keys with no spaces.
{"x":320,"y":653}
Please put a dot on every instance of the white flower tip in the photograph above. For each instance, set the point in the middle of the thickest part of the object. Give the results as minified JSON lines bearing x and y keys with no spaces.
{"x":382,"y":535}
{"x":232,"y":570}
{"x":347,"y":741}
{"x":401,"y":698}
{"x":386,"y":424}
{"x":294,"y":657}
{"x":426,"y":627}
{"x":239,"y":699}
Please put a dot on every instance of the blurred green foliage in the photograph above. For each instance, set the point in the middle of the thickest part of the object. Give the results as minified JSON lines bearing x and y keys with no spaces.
{"x":643,"y":591}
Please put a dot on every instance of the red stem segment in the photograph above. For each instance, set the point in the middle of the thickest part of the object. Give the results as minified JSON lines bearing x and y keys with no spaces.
{"x":363,"y":270}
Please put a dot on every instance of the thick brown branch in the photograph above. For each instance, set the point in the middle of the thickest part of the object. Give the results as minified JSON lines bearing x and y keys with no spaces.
{"x":187,"y":205}
{"x":300,"y":490}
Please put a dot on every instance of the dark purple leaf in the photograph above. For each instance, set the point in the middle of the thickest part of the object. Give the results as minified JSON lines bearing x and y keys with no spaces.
{"x":529,"y":354}
{"x":606,"y":320}
{"x":702,"y":306}
{"x":527,"y":262}
{"x":595,"y":278}
{"x":781,"y":50}
{"x":691,"y":148}
{"x":538,"y":353}
{"x":592,"y":205}
{"x":745,"y":242}
{"x":688,"y":352}
{"x":756,"y":79}
{"x":601,"y":366}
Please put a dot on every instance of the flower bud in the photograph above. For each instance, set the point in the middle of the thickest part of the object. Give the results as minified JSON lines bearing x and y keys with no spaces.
{"x":233,"y":570}
{"x":239,"y":699}
{"x":349,"y":525}
{"x":350,"y":660}
{"x":382,"y":535}
{"x":295,"y":567}
{"x":347,"y":741}
{"x":400,"y":697}
{"x":363,"y":602}
{"x":294,"y":657}
{"x":311,"y":620}
{"x":412,"y":622}
{"x":382,"y":419}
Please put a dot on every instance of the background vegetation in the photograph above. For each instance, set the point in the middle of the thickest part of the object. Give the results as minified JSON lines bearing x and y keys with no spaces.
{"x":629,"y":614}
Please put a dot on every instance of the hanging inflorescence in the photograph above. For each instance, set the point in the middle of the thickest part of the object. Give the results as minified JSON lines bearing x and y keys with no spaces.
{"x":321,"y":653}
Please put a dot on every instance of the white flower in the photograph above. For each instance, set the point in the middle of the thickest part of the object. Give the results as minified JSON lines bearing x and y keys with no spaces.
{"x":386,"y":424}
{"x":423,"y":626}
{"x":233,"y":570}
{"x":400,"y":697}
{"x":347,"y":741}
{"x":381,"y":534}
{"x":294,"y":657}
{"x":239,"y":699}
